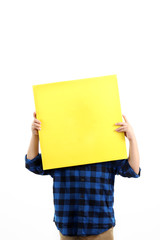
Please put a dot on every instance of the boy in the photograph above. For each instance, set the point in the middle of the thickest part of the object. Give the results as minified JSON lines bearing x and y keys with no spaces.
{"x":84,"y":194}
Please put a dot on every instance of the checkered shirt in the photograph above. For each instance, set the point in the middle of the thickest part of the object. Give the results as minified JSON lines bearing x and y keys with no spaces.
{"x":84,"y":194}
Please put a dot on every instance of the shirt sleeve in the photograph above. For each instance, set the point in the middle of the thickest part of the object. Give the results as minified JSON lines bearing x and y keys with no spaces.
{"x":124,"y":169}
{"x":35,"y":165}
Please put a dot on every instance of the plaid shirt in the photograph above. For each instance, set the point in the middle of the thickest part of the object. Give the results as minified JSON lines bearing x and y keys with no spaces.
{"x":84,"y":194}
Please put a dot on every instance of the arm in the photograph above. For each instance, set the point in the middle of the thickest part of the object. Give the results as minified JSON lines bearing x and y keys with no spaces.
{"x":33,"y":159}
{"x":133,"y":159}
{"x":33,"y":149}
{"x":131,"y":166}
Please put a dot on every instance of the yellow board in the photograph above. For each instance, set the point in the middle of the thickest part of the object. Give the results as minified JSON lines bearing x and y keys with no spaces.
{"x":77,"y":122}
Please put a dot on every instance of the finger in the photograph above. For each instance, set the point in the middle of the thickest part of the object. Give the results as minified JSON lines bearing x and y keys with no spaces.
{"x":125,"y":118}
{"x":121,"y":129}
{"x":120,"y":123}
{"x":37,"y":121}
{"x":36,"y":128}
{"x":36,"y":125}
{"x":34,"y":114}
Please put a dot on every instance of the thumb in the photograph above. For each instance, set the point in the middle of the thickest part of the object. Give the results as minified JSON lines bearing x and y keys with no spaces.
{"x":34,"y":114}
{"x":125,"y":118}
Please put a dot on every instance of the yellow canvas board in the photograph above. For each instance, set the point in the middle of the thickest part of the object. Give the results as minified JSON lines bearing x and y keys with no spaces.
{"x":77,"y":122}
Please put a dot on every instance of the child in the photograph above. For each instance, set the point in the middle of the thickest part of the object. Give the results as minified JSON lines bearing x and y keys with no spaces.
{"x":84,"y":194}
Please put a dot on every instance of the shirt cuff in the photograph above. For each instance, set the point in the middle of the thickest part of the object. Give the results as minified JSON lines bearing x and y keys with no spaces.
{"x":132,"y":172}
{"x":33,"y":160}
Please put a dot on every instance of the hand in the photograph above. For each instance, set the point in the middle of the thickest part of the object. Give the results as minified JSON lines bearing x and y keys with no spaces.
{"x":126,"y":128}
{"x":35,"y":125}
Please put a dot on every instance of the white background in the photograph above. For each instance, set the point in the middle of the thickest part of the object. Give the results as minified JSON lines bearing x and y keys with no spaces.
{"x":50,"y":41}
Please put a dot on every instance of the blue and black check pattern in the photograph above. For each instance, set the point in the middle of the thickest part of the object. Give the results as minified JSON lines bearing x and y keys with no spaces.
{"x":84,"y":194}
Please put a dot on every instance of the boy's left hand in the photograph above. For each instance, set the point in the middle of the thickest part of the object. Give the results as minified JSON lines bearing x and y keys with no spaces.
{"x":126,"y":128}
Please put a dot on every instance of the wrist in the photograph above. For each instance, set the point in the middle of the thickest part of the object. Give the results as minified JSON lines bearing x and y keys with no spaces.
{"x":132,"y":139}
{"x":35,"y":136}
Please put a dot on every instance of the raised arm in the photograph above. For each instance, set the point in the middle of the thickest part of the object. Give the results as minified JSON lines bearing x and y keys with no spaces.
{"x":33,"y":149}
{"x":133,"y":159}
{"x":33,"y":159}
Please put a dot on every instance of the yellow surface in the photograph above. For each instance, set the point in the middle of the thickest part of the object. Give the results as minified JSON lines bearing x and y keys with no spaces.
{"x":77,"y":122}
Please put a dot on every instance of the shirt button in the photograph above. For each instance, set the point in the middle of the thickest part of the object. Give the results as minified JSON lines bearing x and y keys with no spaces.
{"x":82,"y":179}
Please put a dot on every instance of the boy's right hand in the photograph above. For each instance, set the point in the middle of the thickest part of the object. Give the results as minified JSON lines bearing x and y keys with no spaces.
{"x":35,"y":125}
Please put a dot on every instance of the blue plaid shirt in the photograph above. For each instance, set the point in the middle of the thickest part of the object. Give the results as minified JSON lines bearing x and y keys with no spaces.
{"x":84,"y":194}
